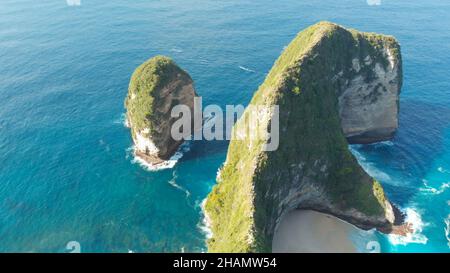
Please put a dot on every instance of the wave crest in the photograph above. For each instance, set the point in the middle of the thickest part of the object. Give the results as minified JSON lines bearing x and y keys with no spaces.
{"x":205,"y":224}
{"x":414,"y":218}
{"x":447,"y":230}
{"x":168,"y":164}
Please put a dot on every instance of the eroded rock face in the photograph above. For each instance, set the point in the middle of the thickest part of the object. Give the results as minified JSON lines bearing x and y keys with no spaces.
{"x":324,"y":83}
{"x":369,"y":95}
{"x":155,"y":88}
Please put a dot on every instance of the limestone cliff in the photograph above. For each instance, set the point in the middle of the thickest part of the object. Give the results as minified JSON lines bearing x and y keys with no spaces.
{"x":369,"y":87}
{"x":331,"y":84}
{"x":156,"y":86}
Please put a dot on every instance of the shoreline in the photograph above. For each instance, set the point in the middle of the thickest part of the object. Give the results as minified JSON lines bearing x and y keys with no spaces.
{"x":138,"y":158}
{"x":308,"y":231}
{"x":206,"y":221}
{"x":152,"y":164}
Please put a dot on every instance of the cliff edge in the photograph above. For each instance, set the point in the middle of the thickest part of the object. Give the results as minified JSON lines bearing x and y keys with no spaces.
{"x":333,"y":86}
{"x":156,"y":86}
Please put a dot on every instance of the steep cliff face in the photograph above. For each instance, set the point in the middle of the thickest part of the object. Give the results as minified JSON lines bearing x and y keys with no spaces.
{"x":330,"y":83}
{"x":369,"y":88}
{"x":156,"y":86}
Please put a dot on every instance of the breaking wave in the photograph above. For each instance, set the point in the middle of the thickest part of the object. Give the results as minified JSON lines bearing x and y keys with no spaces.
{"x":205,"y":224}
{"x":414,"y":218}
{"x":168,"y":164}
{"x":447,"y":230}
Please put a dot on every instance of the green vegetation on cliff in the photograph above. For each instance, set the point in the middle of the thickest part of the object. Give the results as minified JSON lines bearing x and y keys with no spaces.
{"x":312,"y":168}
{"x":152,"y":75}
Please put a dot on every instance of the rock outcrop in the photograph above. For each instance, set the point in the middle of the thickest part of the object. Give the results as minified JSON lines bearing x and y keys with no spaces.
{"x":331,"y":84}
{"x":156,"y":86}
{"x":368,"y":89}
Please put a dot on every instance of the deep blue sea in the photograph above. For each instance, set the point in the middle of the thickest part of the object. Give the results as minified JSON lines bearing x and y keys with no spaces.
{"x":66,"y":169}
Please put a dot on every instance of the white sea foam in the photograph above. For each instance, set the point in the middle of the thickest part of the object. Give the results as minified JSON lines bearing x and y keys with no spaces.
{"x":442,"y":170}
{"x":205,"y":224}
{"x":447,"y":230}
{"x":246,"y":69}
{"x":417,"y":225}
{"x":122,"y":120}
{"x":429,"y":189}
{"x":219,"y":171}
{"x":370,"y":168}
{"x":168,"y":164}
{"x":129,"y":152}
{"x":383,"y":143}
{"x":173,"y":182}
{"x":356,"y":153}
{"x":176,"y":50}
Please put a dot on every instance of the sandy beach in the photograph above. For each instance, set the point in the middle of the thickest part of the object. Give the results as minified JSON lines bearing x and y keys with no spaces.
{"x":310,"y":231}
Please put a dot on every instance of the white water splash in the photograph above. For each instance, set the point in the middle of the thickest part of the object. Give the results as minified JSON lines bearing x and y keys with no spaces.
{"x":246,"y":69}
{"x":447,"y":230}
{"x":205,"y":224}
{"x":219,"y":171}
{"x":168,"y":164}
{"x":417,"y":225}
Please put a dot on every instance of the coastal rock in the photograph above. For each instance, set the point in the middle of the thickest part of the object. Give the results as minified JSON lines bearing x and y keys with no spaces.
{"x":369,"y":89}
{"x":329,"y":84}
{"x":156,"y":86}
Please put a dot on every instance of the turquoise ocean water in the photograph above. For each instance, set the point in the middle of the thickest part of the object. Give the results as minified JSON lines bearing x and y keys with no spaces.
{"x":66,"y":169}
